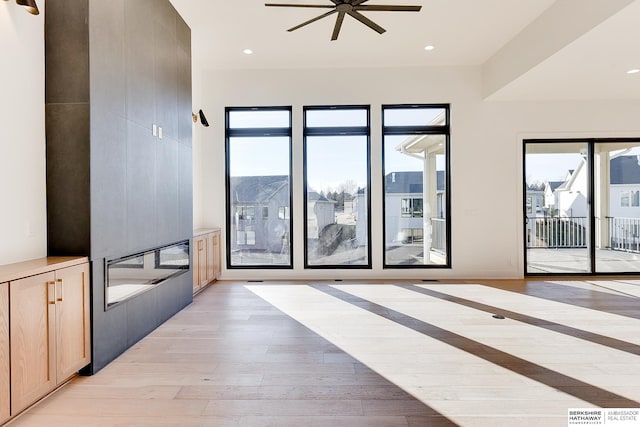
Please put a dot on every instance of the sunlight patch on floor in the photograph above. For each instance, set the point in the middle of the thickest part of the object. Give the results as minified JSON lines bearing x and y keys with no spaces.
{"x":573,"y":357}
{"x":454,"y":382}
{"x":598,"y":322}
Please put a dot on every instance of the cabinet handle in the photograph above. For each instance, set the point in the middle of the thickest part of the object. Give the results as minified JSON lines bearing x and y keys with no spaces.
{"x":49,"y":285}
{"x":60,"y":298}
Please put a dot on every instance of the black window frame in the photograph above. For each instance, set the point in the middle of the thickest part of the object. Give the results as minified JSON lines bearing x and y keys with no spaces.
{"x":257,"y":132}
{"x":337,"y":131}
{"x":444,"y":130}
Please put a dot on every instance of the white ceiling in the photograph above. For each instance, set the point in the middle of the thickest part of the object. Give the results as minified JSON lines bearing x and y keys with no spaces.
{"x":529,"y":49}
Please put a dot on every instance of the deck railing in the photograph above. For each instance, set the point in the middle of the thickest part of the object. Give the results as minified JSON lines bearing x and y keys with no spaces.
{"x":557,"y":232}
{"x":571,"y":232}
{"x":439,"y":234}
{"x":624,"y":234}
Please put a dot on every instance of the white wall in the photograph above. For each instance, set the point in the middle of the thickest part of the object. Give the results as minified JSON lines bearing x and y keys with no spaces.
{"x":486,"y":154}
{"x":23,"y":233}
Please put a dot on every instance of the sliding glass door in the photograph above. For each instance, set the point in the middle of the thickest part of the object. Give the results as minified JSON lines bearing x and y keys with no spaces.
{"x":617,"y":206}
{"x":582,"y":206}
{"x":557,"y":205}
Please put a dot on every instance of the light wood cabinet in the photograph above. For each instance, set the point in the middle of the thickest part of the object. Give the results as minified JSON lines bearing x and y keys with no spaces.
{"x":32,"y":342}
{"x":73,"y":343}
{"x":199,"y":262}
{"x":217,"y":254}
{"x":4,"y":352}
{"x":49,"y":331}
{"x":206,"y":258}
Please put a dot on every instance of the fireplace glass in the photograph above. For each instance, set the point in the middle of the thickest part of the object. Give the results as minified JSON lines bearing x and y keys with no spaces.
{"x":134,"y":274}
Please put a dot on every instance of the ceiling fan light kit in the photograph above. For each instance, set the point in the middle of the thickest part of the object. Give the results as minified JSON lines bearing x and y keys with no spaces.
{"x":347,"y":7}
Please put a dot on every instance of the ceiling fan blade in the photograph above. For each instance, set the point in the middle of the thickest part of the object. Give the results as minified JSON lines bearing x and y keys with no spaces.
{"x":323,"y":6}
{"x":324,"y":15}
{"x":336,"y":28}
{"x":388,"y":8}
{"x":357,"y":2}
{"x":366,"y":21}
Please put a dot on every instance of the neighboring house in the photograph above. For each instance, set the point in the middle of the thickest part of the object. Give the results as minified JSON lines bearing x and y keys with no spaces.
{"x":624,"y":187}
{"x":619,"y":227}
{"x":624,"y":203}
{"x":549,"y":196}
{"x":535,"y":198}
{"x":404,"y":207}
{"x":260,"y":206}
{"x":570,"y":198}
{"x":535,"y":205}
{"x":320,"y":213}
{"x":624,"y":190}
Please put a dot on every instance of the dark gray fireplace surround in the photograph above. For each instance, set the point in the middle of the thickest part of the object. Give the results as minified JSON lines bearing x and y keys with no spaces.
{"x":114,"y":69}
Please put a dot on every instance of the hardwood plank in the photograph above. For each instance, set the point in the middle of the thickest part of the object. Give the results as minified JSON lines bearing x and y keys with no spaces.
{"x":233,"y":358}
{"x":298,"y":392}
{"x":324,"y":421}
{"x":160,"y":420}
{"x":283,"y":407}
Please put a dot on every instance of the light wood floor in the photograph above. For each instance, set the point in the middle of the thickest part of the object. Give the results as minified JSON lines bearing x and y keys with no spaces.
{"x":371,"y":354}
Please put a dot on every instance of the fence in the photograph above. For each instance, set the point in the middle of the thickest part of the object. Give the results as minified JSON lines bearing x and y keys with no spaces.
{"x":557,"y":232}
{"x":623,"y":234}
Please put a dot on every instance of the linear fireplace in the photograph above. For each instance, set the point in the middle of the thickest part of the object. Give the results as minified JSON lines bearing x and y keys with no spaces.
{"x":134,"y":274}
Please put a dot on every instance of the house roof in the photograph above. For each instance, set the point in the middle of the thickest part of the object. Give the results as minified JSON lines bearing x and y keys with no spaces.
{"x":555,"y":184}
{"x":256,"y":189}
{"x":314,"y":196}
{"x":260,"y":189}
{"x":625,"y":170}
{"x":410,"y":182}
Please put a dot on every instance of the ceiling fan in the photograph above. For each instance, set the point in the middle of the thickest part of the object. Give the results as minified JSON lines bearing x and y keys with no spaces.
{"x":348,"y":7}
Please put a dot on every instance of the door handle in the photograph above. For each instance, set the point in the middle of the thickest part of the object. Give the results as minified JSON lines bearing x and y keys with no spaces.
{"x":61,"y":297}
{"x":49,"y":292}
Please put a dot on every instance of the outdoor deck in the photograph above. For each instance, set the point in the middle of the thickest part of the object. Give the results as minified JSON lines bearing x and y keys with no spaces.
{"x":576,"y":260}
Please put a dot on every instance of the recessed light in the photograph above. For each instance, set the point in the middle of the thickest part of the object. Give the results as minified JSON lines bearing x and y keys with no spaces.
{"x":633,"y":71}
{"x":429,"y":47}
{"x":247,"y":51}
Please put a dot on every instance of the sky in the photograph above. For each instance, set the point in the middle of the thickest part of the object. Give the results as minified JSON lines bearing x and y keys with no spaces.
{"x":331,"y":161}
{"x":549,"y":167}
{"x":542,"y":167}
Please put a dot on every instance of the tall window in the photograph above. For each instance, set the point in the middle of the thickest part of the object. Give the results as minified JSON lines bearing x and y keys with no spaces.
{"x":416,"y":185}
{"x":337,"y":178}
{"x":258,"y":147}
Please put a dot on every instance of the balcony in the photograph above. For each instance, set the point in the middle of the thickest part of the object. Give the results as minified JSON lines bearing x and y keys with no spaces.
{"x":559,"y":245}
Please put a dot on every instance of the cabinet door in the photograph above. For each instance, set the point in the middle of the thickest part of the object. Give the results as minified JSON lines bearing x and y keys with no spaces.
{"x":73,"y":345}
{"x":195,"y":265}
{"x":32,"y":338}
{"x":4,"y":352}
{"x":217,"y":263}
{"x":199,"y":262}
{"x":211,"y":267}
